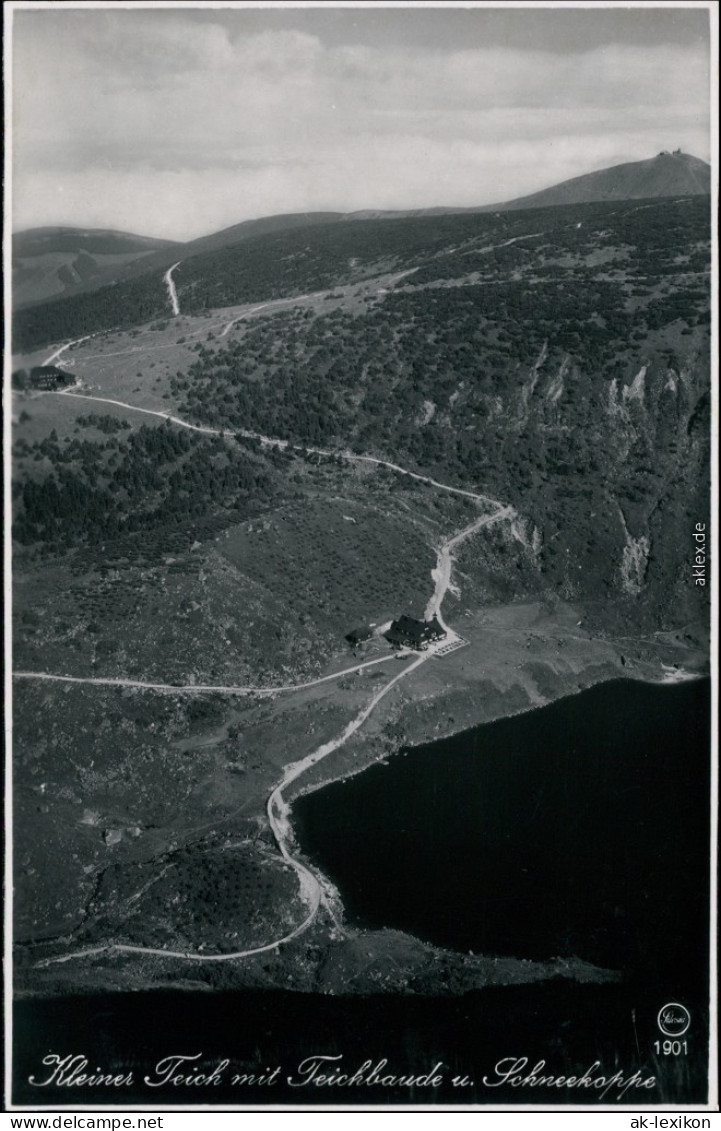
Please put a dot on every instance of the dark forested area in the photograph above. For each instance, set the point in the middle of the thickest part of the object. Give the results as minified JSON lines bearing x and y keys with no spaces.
{"x":115,"y":307}
{"x":317,"y":257}
{"x":157,"y":487}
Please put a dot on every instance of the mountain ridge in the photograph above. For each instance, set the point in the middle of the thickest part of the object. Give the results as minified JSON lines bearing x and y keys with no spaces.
{"x":56,"y":260}
{"x":666,"y":174}
{"x":35,"y":241}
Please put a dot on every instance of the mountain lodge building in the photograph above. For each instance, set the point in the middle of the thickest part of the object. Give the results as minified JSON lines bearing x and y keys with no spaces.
{"x":418,"y":634}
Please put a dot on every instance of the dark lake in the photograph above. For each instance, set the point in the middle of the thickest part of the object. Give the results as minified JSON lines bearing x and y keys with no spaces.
{"x":581,"y":828}
{"x":577,"y":829}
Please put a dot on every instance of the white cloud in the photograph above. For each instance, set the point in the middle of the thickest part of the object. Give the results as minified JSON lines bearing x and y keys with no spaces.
{"x":115,"y":112}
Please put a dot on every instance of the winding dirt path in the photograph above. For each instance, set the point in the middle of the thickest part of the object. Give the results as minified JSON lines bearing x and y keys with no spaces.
{"x":274,"y":442}
{"x":172,"y":293}
{"x":190,"y":956}
{"x":196,"y":688}
{"x":311,"y":887}
{"x":229,"y":325}
{"x":71,"y":392}
{"x":312,"y":891}
{"x":442,"y":573}
{"x":59,"y":352}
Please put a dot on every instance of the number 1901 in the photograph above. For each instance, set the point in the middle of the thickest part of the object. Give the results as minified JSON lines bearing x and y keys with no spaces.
{"x":671,"y":1048}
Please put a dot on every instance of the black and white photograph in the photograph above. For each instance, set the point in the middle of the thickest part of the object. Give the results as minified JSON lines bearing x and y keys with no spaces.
{"x":361,"y":437}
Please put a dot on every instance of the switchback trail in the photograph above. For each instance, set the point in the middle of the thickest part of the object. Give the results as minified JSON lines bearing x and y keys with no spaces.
{"x":442,"y":573}
{"x":312,"y":889}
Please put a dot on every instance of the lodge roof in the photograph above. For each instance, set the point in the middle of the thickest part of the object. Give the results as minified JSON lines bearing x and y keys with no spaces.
{"x":416,"y":630}
{"x":48,"y":371}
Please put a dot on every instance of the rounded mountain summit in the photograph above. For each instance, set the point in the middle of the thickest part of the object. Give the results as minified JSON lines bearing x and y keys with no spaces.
{"x":667,"y":174}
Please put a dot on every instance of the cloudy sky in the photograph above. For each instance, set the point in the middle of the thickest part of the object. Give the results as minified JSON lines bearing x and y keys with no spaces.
{"x":179,"y":120}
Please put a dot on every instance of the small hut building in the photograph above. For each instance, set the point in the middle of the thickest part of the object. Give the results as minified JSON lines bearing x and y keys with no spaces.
{"x":359,"y":635}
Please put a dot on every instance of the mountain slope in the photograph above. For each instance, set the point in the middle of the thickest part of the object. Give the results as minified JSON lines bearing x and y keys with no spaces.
{"x":554,"y":358}
{"x":230,"y":238}
{"x":248,"y":229}
{"x":50,"y":262}
{"x":289,"y":262}
{"x":55,"y":262}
